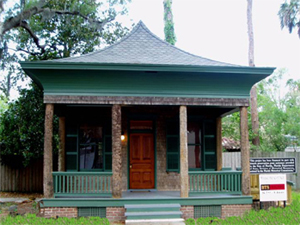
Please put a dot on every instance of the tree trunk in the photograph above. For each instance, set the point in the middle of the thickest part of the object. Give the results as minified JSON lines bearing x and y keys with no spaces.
{"x":48,"y":162}
{"x":245,"y":151}
{"x":116,"y":152}
{"x":253,"y":95}
{"x":184,"y":174}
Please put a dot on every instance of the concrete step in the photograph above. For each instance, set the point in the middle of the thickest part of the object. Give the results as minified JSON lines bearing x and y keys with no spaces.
{"x":153,"y":211}
{"x":179,"y":221}
{"x":152,"y":207}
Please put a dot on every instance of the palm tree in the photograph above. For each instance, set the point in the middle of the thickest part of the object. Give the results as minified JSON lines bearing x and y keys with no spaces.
{"x":289,"y":15}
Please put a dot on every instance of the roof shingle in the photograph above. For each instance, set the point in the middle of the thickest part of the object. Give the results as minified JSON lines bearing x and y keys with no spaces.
{"x":142,"y":47}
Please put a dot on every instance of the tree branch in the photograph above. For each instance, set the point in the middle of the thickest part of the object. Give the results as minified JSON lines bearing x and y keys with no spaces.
{"x":20,"y":20}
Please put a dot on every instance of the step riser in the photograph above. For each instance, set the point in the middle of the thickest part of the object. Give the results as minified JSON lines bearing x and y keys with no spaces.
{"x":153,"y":217}
{"x":152,"y":209}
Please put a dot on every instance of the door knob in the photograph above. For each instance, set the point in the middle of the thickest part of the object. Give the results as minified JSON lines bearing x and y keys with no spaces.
{"x":130,"y":166}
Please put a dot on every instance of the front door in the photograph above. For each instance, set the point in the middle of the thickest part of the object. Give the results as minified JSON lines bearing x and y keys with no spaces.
{"x":141,"y":163}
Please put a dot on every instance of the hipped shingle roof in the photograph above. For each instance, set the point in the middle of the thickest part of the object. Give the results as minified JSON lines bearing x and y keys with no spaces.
{"x":142,"y":47}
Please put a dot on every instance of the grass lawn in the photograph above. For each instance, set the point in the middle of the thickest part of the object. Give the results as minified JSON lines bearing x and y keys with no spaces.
{"x":275,"y":216}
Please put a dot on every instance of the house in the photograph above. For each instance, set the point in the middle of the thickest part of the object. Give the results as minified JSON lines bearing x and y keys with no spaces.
{"x":167,"y":105}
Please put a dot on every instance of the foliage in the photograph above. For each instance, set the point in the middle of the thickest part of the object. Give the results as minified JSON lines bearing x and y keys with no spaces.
{"x":169,"y":24}
{"x":22,"y":133}
{"x":33,"y":219}
{"x":50,"y":29}
{"x":289,"y":15}
{"x":278,"y":114}
{"x":276,"y":216}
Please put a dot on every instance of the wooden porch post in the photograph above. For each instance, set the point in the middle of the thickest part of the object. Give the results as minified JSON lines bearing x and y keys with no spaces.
{"x":62,"y":144}
{"x":184,"y":173}
{"x":116,"y":152}
{"x":245,"y":151}
{"x":48,"y":163}
{"x":219,"y":142}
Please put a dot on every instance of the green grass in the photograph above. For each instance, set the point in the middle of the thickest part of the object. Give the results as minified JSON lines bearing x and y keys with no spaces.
{"x":33,"y":219}
{"x":275,"y":216}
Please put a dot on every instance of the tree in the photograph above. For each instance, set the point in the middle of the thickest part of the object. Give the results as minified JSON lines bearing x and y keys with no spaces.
{"x":22,"y":123}
{"x":22,"y":133}
{"x":289,"y":15}
{"x":48,"y":29}
{"x":253,"y":94}
{"x":169,"y":24}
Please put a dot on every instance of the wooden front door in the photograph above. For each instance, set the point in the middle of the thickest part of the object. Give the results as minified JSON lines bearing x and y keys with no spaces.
{"x":141,"y":163}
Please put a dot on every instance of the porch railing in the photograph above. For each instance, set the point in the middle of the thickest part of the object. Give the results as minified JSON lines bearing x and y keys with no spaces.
{"x":82,"y":184}
{"x":215,"y":182}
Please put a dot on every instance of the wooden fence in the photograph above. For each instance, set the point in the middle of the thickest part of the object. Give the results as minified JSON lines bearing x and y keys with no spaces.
{"x":29,"y":179}
{"x":233,"y":160}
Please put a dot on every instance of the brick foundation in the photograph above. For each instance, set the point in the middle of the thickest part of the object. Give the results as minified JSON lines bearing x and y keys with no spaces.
{"x":53,"y":212}
{"x":115,"y":214}
{"x":234,"y":210}
{"x":187,"y":211}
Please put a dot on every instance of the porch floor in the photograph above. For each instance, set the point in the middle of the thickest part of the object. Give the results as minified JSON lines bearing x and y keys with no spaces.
{"x":166,"y":195}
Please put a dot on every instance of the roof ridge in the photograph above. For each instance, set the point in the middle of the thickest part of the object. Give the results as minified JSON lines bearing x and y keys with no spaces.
{"x":173,"y":46}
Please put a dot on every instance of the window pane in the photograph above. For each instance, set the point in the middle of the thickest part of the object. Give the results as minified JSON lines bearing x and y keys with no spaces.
{"x":141,"y":125}
{"x":194,"y":156}
{"x":91,"y":153}
{"x":194,"y":133}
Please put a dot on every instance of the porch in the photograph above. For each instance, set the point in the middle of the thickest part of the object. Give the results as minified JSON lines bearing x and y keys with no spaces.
{"x":98,"y":185}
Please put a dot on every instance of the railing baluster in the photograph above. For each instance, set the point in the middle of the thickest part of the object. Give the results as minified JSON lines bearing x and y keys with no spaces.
{"x":97,"y":184}
{"x":198,"y":182}
{"x":101,"y":184}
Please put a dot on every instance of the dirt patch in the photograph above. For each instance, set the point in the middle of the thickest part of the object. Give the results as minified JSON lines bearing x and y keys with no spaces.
{"x":20,"y":195}
{"x":13,"y":208}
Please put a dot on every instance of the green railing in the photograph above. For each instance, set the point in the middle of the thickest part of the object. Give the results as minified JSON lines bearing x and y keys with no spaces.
{"x":215,"y":182}
{"x":82,"y":184}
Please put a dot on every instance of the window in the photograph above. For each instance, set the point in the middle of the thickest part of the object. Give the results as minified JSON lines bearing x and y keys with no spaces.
{"x":201,"y":145}
{"x":88,"y":147}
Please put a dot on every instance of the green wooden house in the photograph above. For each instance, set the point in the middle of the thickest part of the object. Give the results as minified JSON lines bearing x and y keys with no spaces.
{"x":140,"y":132}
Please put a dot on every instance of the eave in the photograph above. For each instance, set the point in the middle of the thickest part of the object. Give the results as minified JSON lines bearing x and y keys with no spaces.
{"x":28,"y":66}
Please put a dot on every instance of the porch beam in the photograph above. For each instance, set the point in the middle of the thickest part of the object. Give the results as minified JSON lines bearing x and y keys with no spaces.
{"x":184,"y":173}
{"x":245,"y":151}
{"x":116,"y":152}
{"x":62,"y":144}
{"x":219,"y":142}
{"x":48,"y":161}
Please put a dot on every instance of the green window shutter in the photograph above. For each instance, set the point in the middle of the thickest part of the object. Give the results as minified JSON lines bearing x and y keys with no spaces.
{"x":209,"y":145}
{"x":107,"y":153}
{"x":173,"y":146}
{"x":71,"y":147}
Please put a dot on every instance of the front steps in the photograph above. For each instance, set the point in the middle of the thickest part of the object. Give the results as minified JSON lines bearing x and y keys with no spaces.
{"x":153,"y":214}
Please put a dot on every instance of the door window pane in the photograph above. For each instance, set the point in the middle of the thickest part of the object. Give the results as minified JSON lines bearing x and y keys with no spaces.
{"x":194,"y":133}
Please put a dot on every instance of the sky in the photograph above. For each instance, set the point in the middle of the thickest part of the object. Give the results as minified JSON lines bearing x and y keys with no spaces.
{"x":217,"y":29}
